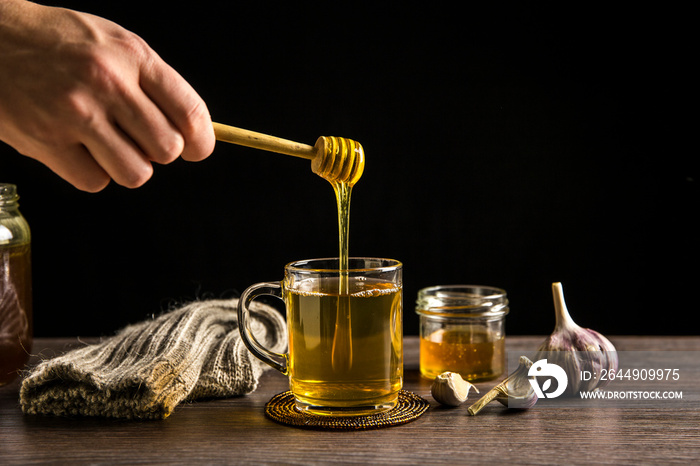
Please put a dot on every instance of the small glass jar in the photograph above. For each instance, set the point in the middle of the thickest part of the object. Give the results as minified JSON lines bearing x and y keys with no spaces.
{"x":15,"y":286}
{"x":462,"y":329}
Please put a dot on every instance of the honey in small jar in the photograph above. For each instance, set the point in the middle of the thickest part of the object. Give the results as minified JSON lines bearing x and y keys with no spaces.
{"x":462,"y":330}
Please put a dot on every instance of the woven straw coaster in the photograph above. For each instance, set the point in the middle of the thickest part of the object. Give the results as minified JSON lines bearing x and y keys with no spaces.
{"x":282,"y":408}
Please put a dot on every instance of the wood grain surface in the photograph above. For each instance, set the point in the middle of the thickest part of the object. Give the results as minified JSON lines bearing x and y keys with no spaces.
{"x":235,"y":430}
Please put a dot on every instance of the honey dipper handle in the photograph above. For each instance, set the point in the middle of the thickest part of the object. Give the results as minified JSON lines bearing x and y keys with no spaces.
{"x":244,"y":137}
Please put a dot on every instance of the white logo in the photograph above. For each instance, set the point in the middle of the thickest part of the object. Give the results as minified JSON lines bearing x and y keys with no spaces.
{"x":542,"y":368}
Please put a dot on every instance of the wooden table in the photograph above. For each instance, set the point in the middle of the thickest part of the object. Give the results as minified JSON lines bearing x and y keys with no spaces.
{"x":235,"y":430}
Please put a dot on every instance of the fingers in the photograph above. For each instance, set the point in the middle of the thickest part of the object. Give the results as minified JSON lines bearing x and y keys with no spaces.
{"x":77,"y":166}
{"x":117,"y":154}
{"x":182,"y":106}
{"x":90,"y":154}
{"x":133,"y":130}
{"x":119,"y":136}
{"x":101,"y":157}
{"x":145,"y":124}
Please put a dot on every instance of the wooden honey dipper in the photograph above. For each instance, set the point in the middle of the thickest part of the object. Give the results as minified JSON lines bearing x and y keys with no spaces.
{"x":332,"y":158}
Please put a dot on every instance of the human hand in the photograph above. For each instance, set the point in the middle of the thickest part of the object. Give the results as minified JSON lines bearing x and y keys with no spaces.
{"x":91,"y":100}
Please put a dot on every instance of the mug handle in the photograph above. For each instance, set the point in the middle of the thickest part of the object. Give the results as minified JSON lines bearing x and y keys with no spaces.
{"x":276,"y":360}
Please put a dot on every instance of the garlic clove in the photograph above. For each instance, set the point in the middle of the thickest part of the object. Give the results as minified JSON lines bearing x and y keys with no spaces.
{"x":517,"y":391}
{"x":514,"y":392}
{"x":450,"y":389}
{"x":576,"y":349}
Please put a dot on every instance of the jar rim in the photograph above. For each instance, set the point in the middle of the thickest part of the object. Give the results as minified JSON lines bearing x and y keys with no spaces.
{"x":8,"y":191}
{"x":8,"y":195}
{"x":462,"y":301}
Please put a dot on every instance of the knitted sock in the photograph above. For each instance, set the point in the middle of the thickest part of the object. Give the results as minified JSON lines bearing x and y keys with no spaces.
{"x":147,"y":369}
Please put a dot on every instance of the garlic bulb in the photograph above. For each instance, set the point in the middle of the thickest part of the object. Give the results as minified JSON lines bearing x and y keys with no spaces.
{"x":514,"y":392}
{"x":449,"y":388}
{"x":576,"y":349}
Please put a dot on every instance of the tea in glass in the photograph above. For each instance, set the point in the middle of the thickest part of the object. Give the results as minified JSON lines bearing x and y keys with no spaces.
{"x":345,"y":354}
{"x":369,"y":372}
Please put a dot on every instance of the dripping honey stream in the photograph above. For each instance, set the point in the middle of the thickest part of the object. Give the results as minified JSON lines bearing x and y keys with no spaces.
{"x":341,"y":355}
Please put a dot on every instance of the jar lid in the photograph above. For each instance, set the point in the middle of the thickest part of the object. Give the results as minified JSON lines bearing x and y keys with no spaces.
{"x":462,"y":301}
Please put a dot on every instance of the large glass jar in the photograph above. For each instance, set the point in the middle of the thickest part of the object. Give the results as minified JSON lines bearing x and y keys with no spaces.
{"x":15,"y":286}
{"x":462,"y":329}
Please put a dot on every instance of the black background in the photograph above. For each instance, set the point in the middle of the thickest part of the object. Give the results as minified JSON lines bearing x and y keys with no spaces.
{"x":511,"y":147}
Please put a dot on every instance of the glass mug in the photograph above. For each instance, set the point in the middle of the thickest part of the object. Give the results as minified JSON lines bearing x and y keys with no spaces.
{"x":345,"y":354}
